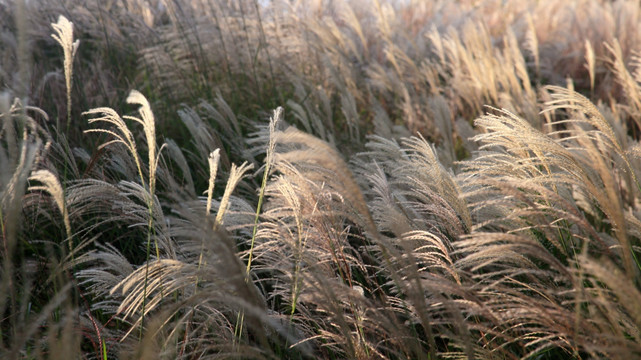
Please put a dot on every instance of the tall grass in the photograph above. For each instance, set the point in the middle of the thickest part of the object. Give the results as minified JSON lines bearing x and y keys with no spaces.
{"x":437,"y":180}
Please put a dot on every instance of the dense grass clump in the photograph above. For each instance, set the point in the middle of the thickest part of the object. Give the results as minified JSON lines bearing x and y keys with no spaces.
{"x":320,"y":179}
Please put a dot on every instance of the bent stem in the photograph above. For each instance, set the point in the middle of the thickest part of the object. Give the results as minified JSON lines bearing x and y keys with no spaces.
{"x":278,"y":113}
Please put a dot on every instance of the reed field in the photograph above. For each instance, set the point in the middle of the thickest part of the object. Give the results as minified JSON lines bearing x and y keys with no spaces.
{"x":320,"y":179}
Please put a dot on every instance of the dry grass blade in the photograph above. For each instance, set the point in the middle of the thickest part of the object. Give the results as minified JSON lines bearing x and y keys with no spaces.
{"x":590,"y":62}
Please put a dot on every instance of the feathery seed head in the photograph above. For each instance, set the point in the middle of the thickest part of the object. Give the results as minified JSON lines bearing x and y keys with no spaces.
{"x":213,"y":159}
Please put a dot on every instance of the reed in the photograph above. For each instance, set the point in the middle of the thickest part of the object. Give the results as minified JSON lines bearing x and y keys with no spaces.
{"x":314,"y":179}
